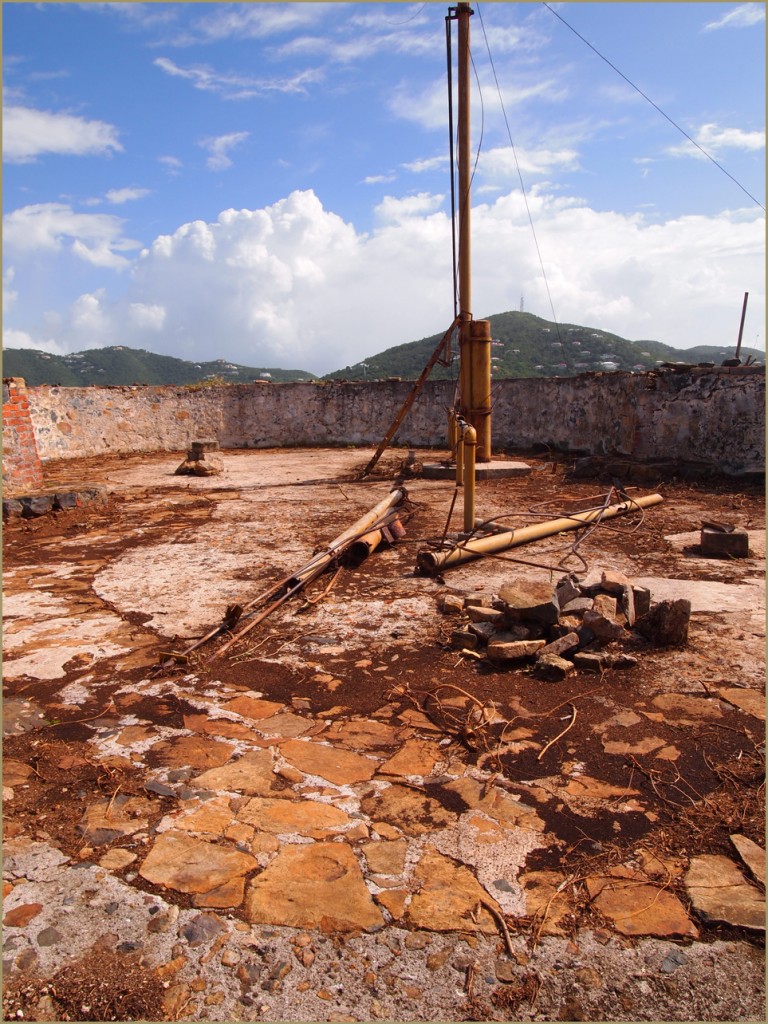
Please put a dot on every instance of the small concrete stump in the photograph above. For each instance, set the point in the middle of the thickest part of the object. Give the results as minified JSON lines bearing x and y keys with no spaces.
{"x":724,"y":544}
{"x":203,"y":459}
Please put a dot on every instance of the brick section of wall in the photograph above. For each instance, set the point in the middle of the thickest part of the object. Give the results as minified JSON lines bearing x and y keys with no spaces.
{"x":715,"y":419}
{"x":22,"y":469}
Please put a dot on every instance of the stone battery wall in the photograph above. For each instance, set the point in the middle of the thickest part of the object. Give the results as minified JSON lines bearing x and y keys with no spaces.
{"x":715,"y":418}
{"x":22,"y":469}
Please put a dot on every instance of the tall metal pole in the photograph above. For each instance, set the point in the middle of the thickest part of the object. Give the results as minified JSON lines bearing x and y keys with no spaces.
{"x":741,"y":325}
{"x":474,"y":336}
{"x":463,"y":14}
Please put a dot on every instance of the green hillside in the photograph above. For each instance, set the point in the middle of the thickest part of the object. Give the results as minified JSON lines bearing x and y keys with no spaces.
{"x":122,"y":365}
{"x":525,"y":345}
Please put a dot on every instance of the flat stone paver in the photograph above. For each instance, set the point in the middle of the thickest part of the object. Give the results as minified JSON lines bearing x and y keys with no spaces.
{"x":636,"y":908}
{"x":719,"y":892}
{"x":449,"y":897}
{"x":341,"y":767}
{"x":313,"y":886}
{"x":251,"y":774}
{"x":182,"y":862}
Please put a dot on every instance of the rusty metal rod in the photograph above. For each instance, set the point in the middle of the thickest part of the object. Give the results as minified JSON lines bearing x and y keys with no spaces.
{"x":411,"y":398}
{"x":433,"y":562}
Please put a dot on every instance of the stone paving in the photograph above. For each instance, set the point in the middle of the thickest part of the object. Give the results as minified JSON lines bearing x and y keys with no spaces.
{"x":280,"y":862}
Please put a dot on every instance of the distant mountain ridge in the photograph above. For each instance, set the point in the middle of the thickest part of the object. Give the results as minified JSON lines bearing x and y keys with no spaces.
{"x":121,"y":365}
{"x":523,"y":345}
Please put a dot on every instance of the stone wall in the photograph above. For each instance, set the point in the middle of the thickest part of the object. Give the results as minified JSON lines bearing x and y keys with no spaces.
{"x":22,"y":469}
{"x":712,"y":417}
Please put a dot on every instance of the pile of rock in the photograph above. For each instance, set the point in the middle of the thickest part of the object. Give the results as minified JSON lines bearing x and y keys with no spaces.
{"x":203,"y":459}
{"x":573,"y":624}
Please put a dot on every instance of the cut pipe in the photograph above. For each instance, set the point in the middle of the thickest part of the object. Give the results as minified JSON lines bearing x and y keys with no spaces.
{"x":433,"y":562}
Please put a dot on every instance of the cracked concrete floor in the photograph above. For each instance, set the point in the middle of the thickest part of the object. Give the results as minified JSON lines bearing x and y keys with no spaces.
{"x":289,"y":832}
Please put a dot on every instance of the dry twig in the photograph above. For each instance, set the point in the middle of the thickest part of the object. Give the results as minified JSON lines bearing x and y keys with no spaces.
{"x":544,"y":749}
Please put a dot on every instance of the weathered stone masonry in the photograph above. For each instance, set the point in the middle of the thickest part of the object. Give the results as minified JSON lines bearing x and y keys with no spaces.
{"x":714,"y":418}
{"x":22,"y":468}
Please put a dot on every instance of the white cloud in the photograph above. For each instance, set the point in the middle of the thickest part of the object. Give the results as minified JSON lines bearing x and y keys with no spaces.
{"x":246,"y":21}
{"x":738,"y":17}
{"x":21,"y":339}
{"x":89,"y":317}
{"x":30,"y":133}
{"x":172,"y":163}
{"x":279,"y":286}
{"x":714,"y":139}
{"x":233,"y":86}
{"x":379,"y":179}
{"x":9,"y":296}
{"x":142,"y":315}
{"x":219,"y":147}
{"x":43,"y":227}
{"x":501,"y":162}
{"x":426,"y":106}
{"x":394,"y":211}
{"x":125,"y":195}
{"x":432,"y":163}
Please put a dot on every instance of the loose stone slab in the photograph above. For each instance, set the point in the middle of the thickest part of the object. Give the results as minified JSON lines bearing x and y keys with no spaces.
{"x":301,"y":817}
{"x":316,"y":886}
{"x":551,"y":667}
{"x":719,"y":892}
{"x":386,"y":858}
{"x":496,"y":805}
{"x":752,"y":855}
{"x":109,"y":819}
{"x":15,"y":773}
{"x":341,"y":767}
{"x":254,"y":708}
{"x":364,"y":734}
{"x":639,"y":909}
{"x":415,"y":757}
{"x":667,"y":623}
{"x":682,"y":709}
{"x":532,"y":601}
{"x":549,"y":907}
{"x":413,"y":812}
{"x":500,"y":651}
{"x":251,"y":774}
{"x":179,"y":861}
{"x":216,"y":727}
{"x":448,"y":898}
{"x":750,"y":701}
{"x":195,"y":751}
{"x":212,"y":817}
{"x":115,"y":860}
{"x":588,"y":788}
{"x":286,"y":725}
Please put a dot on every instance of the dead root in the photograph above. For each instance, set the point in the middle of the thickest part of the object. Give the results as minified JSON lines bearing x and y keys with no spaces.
{"x":479,"y":725}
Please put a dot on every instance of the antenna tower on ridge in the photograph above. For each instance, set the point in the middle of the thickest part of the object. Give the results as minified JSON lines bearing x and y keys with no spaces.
{"x":522,"y":305}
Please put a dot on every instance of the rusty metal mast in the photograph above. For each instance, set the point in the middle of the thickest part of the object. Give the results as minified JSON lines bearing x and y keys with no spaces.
{"x":474,"y":335}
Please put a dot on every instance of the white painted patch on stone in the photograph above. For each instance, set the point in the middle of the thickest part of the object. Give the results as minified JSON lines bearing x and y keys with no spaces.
{"x":184,"y":587}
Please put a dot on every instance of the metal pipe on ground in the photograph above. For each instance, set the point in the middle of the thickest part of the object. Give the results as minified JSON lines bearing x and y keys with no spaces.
{"x":434,"y":562}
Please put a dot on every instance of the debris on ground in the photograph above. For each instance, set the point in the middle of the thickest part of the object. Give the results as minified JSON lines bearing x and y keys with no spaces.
{"x":506,"y":845}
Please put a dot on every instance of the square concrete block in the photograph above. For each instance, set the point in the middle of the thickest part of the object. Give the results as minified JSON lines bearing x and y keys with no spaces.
{"x":719,"y":544}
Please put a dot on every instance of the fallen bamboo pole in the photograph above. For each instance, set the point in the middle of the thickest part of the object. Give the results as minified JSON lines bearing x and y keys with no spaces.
{"x":320,"y":561}
{"x":434,"y":562}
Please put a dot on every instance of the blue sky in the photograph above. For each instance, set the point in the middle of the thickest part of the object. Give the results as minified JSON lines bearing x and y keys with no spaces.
{"x":269,"y":182}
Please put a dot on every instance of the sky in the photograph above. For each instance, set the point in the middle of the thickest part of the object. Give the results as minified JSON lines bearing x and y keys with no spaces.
{"x":270,"y":183}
